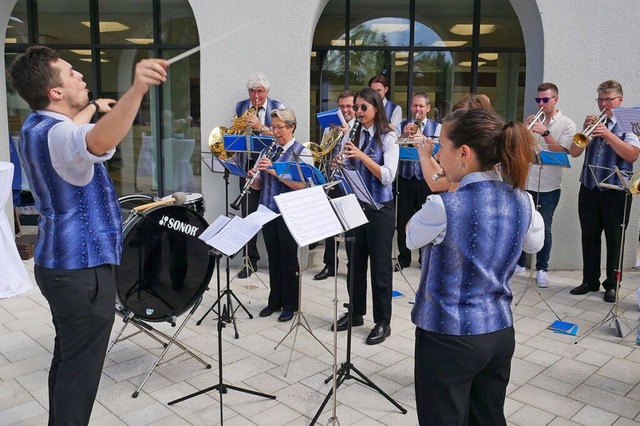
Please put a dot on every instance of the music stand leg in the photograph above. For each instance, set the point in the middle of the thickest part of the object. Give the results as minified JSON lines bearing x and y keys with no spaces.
{"x":347,"y":367}
{"x":297,"y":322}
{"x":221,"y":387}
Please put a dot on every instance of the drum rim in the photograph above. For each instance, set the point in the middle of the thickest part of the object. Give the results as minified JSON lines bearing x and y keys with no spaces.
{"x":127,"y":226}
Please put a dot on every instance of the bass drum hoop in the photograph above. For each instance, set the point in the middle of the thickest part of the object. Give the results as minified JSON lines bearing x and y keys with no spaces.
{"x":158,"y":262}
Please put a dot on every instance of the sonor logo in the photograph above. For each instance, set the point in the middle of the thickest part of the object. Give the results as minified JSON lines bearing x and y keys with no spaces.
{"x":179,"y":226}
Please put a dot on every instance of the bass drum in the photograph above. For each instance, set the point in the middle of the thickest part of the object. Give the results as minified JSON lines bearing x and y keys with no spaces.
{"x":127,"y":202}
{"x":165,"y":267}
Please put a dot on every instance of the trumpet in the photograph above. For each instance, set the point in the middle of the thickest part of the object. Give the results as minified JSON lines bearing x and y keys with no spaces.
{"x":583,"y":138}
{"x":538,"y":118}
{"x":417,"y":123}
{"x":247,"y":185}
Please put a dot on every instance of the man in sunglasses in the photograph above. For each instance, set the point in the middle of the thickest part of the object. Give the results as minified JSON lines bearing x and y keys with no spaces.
{"x":602,"y":209}
{"x":552,"y":132}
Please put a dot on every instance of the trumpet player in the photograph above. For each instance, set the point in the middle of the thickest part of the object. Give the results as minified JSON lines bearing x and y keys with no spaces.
{"x":282,"y":249}
{"x":258,"y":89}
{"x":345,"y":103}
{"x":411,"y":186}
{"x":601,"y":209}
{"x":554,"y":132}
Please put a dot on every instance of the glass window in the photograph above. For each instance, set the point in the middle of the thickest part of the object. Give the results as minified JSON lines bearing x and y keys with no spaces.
{"x":332,"y":24}
{"x":437,"y":19}
{"x":499,"y":25}
{"x":17,"y":27}
{"x":63,"y":22}
{"x":126,"y":22}
{"x":177,"y":23}
{"x":379,"y":24}
{"x":328,"y":68}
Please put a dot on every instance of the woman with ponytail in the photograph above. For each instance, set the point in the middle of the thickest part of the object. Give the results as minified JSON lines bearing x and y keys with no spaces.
{"x":471,"y":240}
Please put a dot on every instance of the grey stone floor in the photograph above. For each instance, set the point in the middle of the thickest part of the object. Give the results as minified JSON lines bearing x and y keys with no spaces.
{"x":553,"y":381}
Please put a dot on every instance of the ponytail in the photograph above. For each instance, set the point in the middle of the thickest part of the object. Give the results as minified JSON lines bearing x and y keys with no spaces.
{"x":514,"y":151}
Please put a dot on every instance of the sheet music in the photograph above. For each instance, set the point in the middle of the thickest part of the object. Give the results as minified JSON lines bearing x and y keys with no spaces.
{"x":358,"y":188}
{"x":234,"y":236}
{"x":308,"y":215}
{"x":628,"y":119}
{"x":214,"y":228}
{"x":349,"y":211}
{"x":262,"y":215}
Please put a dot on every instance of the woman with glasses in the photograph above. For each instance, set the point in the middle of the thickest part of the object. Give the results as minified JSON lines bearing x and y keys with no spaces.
{"x":471,"y":240}
{"x":373,"y":152}
{"x":282,"y":250}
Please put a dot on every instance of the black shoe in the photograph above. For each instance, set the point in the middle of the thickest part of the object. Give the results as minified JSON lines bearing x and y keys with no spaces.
{"x":378,"y":334}
{"x":268,"y":311}
{"x":583,"y":288}
{"x":610,"y":295}
{"x":246,"y":272}
{"x":356,"y":321}
{"x":326,"y":272}
{"x":285,"y":316}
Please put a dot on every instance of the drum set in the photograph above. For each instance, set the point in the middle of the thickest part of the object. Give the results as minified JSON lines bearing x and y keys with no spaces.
{"x":165,"y":268}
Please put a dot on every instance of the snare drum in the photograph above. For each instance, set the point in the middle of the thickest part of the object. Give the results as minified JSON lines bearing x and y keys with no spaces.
{"x":195,"y":201}
{"x":165,"y":267}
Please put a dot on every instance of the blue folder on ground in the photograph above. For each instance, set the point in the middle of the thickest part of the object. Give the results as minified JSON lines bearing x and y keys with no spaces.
{"x":563,"y":327}
{"x":290,"y":171}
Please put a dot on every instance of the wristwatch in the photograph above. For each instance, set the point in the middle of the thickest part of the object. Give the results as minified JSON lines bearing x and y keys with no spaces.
{"x":95,"y":104}
{"x":545,"y":133}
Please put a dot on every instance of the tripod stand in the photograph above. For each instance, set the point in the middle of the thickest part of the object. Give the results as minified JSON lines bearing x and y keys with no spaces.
{"x":221,"y":387}
{"x":612,"y":316}
{"x":227,"y":311}
{"x":345,"y":371}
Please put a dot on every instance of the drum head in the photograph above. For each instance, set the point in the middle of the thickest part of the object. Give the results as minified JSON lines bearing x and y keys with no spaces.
{"x":165,"y":268}
{"x":127,"y":202}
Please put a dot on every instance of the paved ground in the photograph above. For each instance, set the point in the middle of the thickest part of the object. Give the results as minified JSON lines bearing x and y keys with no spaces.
{"x":553,"y":382}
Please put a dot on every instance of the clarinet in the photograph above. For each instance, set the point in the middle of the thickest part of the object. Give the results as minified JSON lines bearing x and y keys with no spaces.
{"x":355,"y":131}
{"x":247,"y":185}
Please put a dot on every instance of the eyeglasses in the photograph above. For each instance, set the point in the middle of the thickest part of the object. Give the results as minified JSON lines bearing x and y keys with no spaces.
{"x":606,"y":100}
{"x":258,"y":91}
{"x":545,"y":100}
{"x":279,"y":128}
{"x":345,"y":106}
{"x":362,"y":107}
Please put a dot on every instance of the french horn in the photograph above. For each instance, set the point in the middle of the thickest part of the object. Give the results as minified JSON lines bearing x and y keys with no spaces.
{"x":239,"y":126}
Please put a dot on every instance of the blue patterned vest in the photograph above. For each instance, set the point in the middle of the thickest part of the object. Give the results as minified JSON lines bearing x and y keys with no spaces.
{"x":79,"y":226}
{"x":600,"y":153}
{"x":272,"y":186}
{"x":381,"y":193}
{"x":464,"y":285}
{"x":389,"y":108}
{"x":409,"y":169}
{"x":241,"y":107}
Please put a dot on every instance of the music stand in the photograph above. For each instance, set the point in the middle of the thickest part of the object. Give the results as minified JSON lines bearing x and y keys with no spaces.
{"x":246,"y":144}
{"x":297,"y":221}
{"x":228,"y":311}
{"x":221,"y":387}
{"x":624,"y":176}
{"x":543,"y":159}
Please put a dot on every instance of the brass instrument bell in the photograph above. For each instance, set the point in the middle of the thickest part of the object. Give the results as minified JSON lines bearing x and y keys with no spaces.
{"x":583,"y":138}
{"x":634,"y":183}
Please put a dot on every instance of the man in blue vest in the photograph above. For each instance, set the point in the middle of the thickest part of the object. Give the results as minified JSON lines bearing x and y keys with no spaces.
{"x":258,"y":89}
{"x":80,"y":225}
{"x":394,"y":111}
{"x":411,"y":185}
{"x":601,"y":209}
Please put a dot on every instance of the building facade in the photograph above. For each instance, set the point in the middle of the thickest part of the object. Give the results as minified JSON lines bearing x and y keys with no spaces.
{"x":310,"y":50}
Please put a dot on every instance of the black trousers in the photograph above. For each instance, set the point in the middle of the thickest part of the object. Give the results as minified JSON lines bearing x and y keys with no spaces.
{"x":248,"y":206}
{"x":282,"y":251}
{"x":82,"y":306}
{"x":373,"y":245}
{"x":601,"y":211}
{"x":462,"y":380}
{"x":412,"y":193}
{"x":329,"y":256}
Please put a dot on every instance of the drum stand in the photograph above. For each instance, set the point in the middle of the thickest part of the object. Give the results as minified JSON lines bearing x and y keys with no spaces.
{"x":221,"y":387}
{"x":143,"y":327}
{"x":344,"y":372}
{"x":298,"y":317}
{"x":228,"y":312}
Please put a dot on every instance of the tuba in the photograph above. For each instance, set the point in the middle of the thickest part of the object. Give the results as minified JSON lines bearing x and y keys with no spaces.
{"x":238,"y":126}
{"x":583,"y":138}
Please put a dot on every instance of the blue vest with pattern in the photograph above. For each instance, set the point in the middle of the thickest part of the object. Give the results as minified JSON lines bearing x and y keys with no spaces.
{"x":381,"y":193}
{"x":600,"y":153}
{"x":464,"y":285}
{"x":79,"y":226}
{"x":389,"y":108}
{"x":409,"y":169}
{"x":271,"y":186}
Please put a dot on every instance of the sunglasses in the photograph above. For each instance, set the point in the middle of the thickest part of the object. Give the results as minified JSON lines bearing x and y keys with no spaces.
{"x":362,"y":107}
{"x":545,"y":100}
